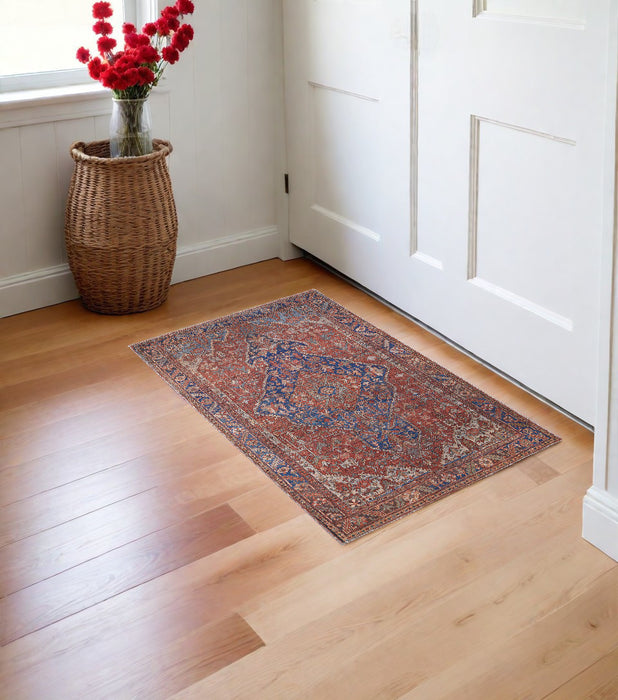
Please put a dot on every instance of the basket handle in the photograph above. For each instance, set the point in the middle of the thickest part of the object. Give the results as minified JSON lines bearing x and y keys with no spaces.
{"x":76,"y":146}
{"x":165,"y":145}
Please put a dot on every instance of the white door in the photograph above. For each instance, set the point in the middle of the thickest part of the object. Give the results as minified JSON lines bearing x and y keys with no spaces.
{"x":347,"y":66}
{"x":498,"y":245}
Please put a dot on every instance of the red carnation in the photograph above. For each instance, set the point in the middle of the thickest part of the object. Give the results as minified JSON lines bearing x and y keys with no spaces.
{"x":179,"y":42}
{"x":105,"y":44}
{"x":146,"y":75}
{"x":83,"y":55}
{"x":128,"y":28}
{"x":170,"y":54}
{"x":122,"y":61}
{"x":170,"y":11}
{"x":122,"y":83}
{"x":95,"y":67}
{"x":173,"y":23}
{"x":131,"y":40}
{"x":101,"y":10}
{"x":149,"y":29}
{"x":183,"y":36}
{"x":132,"y":76}
{"x":148,"y":54}
{"x":187,"y":30}
{"x":185,"y":7}
{"x":102,"y":27}
{"x":163,"y":28}
{"x":109,"y":78}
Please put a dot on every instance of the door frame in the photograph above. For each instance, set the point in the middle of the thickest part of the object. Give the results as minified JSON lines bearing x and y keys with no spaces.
{"x":600,"y":508}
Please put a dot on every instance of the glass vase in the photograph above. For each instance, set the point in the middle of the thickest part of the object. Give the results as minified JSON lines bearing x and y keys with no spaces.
{"x":130,"y":128}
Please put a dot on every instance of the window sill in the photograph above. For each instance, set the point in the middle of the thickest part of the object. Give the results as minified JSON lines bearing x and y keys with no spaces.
{"x":25,"y":107}
{"x":66,"y":93}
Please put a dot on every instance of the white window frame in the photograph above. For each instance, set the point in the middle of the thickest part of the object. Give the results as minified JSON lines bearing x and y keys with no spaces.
{"x":136,"y":11}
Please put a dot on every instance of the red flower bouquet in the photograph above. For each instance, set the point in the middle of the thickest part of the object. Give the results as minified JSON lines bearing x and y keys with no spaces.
{"x":132,"y":72}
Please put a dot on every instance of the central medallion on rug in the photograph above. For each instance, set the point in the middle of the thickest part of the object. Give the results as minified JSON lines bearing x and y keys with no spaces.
{"x":355,"y":426}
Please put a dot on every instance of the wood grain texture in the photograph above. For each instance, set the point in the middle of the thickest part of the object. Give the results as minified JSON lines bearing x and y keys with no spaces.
{"x":81,"y":539}
{"x":118,"y":570}
{"x":55,"y":505}
{"x":597,"y":682}
{"x":142,"y":555}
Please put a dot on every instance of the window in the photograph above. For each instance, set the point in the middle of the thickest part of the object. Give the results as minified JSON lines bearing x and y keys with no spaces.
{"x":38,"y":45}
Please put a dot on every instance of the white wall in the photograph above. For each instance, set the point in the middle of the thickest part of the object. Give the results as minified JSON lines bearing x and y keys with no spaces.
{"x":221,"y":107}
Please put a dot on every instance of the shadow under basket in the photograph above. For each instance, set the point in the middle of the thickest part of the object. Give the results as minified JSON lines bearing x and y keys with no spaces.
{"x":121,"y":228}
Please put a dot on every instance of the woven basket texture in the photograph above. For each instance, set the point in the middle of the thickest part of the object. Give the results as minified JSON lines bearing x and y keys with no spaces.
{"x":121,"y":228}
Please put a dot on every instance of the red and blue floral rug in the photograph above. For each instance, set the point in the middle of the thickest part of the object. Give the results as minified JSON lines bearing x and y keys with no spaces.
{"x":355,"y":426}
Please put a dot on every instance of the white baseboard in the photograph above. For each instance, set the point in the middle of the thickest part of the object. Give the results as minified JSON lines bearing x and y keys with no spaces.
{"x":600,"y":524}
{"x":32,"y":290}
{"x":226,"y":253}
{"x":53,"y":285}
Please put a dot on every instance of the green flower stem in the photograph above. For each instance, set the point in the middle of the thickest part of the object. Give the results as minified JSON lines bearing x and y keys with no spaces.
{"x":131,"y":135}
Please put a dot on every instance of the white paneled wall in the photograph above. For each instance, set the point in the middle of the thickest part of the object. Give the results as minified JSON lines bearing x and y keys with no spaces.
{"x":221,"y":108}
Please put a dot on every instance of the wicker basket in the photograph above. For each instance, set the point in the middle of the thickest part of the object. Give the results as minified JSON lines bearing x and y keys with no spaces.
{"x":121,"y":228}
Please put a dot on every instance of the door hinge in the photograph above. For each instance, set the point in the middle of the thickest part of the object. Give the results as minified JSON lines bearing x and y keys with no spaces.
{"x":286,"y":180}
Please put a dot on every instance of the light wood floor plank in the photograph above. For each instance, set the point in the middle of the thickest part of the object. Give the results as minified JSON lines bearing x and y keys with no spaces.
{"x":533,"y":662}
{"x":76,"y":541}
{"x":27,"y":515}
{"x":399,"y":628}
{"x":448,"y":552}
{"x":86,"y":426}
{"x":118,"y":570}
{"x":129,"y":665}
{"x":597,"y":682}
{"x":144,"y":621}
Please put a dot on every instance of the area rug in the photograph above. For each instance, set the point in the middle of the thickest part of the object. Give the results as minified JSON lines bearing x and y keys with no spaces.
{"x":355,"y":426}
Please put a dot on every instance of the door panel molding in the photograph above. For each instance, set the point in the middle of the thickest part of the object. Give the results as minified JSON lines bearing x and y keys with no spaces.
{"x":476,"y":123}
{"x":428,"y":260}
{"x":525,"y":304}
{"x":348,"y":223}
{"x":414,"y":55}
{"x":340,"y":91}
{"x":569,"y":14}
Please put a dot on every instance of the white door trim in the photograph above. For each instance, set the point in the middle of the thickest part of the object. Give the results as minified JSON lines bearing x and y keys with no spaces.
{"x":600,"y":510}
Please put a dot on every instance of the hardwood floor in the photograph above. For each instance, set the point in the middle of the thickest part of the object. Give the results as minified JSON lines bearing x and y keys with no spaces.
{"x":142,"y":555}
